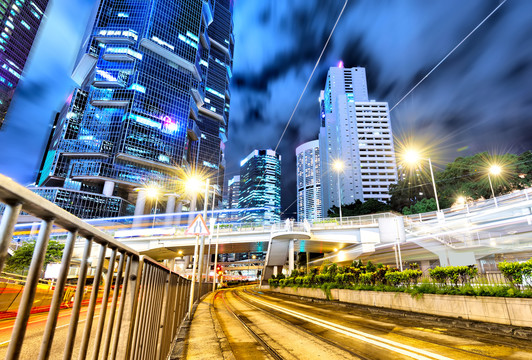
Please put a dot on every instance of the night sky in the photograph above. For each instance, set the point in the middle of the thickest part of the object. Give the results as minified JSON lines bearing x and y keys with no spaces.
{"x":479,"y":99}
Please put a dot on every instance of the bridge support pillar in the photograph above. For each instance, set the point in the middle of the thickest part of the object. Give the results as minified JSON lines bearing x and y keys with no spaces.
{"x":139,"y":206}
{"x":108,"y":188}
{"x":179,"y":207}
{"x":170,"y":205}
{"x":290,"y":256}
{"x":141,"y":203}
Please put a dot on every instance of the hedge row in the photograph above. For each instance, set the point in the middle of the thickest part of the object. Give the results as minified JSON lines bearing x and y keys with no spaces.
{"x":453,"y":280}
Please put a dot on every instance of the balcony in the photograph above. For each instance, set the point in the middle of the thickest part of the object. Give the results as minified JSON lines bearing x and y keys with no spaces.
{"x":193,"y":109}
{"x":151,"y":45}
{"x":106,"y":98}
{"x":116,"y":36}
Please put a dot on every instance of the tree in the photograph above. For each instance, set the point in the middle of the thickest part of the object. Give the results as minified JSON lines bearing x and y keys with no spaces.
{"x":422,"y":206}
{"x":22,"y":257}
{"x":465,"y":176}
{"x":358,"y":207}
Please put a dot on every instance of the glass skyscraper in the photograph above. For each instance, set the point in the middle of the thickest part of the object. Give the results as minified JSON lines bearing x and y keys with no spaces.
{"x":260,"y":187}
{"x":152,"y":100}
{"x":20,"y":21}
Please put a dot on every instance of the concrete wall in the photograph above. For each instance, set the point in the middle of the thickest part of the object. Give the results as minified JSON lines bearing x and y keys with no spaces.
{"x":507,"y":311}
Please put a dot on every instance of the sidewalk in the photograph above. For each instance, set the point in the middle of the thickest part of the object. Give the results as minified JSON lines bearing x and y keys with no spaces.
{"x":205,"y":338}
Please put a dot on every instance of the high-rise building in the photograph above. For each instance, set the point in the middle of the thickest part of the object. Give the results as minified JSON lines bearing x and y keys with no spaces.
{"x":152,"y":101}
{"x":20,"y":20}
{"x":233,"y":192}
{"x":213,"y":121}
{"x":308,"y":181}
{"x":357,"y":133}
{"x":260,"y":186}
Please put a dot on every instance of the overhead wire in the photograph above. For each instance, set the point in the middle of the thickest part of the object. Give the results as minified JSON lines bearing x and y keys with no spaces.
{"x":311,"y":75}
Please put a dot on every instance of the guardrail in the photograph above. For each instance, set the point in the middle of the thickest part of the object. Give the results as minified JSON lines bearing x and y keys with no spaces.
{"x":139,"y":320}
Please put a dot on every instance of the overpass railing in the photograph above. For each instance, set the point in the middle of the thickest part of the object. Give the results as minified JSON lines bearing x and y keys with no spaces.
{"x":142,"y":303}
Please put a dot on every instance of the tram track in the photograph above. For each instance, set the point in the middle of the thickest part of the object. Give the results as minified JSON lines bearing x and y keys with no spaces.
{"x":483,"y":337}
{"x":303,"y":329}
{"x":250,"y":324}
{"x":246,"y":323}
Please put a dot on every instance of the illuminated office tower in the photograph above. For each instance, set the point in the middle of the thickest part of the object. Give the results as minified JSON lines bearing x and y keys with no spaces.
{"x":216,"y":62}
{"x":357,"y":133}
{"x":20,"y":20}
{"x":260,"y":187}
{"x":308,"y":181}
{"x":141,"y":113}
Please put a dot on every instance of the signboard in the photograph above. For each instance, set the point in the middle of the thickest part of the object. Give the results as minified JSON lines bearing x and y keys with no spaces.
{"x":198,"y":227}
{"x":52,"y":271}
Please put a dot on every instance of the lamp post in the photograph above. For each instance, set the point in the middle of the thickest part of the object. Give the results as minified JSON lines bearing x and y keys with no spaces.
{"x":413,"y":157}
{"x":494,"y":170}
{"x":338,"y":166}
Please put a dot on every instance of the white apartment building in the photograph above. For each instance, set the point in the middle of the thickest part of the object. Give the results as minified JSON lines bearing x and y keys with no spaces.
{"x":356,"y":132}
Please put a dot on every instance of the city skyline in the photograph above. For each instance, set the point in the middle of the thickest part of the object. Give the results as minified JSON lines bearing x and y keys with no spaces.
{"x":478,"y":82}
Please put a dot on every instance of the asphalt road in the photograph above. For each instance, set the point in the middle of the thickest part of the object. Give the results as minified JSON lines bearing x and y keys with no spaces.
{"x":249,"y":324}
{"x":34,"y":332}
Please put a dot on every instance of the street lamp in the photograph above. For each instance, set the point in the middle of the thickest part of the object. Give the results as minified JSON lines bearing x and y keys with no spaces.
{"x":249,"y":264}
{"x":494,"y":170}
{"x":338,"y":166}
{"x":413,"y":157}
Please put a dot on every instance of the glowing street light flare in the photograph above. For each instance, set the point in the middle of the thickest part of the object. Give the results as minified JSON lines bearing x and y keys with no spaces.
{"x":411,"y":157}
{"x":194,"y":185}
{"x":338,"y":165}
{"x":495,"y":170}
{"x":152,"y":192}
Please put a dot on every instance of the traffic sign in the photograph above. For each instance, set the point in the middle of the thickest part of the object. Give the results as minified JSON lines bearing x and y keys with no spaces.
{"x":198,"y":227}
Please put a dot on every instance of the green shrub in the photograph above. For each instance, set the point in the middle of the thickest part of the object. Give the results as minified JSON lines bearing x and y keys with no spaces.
{"x":273,"y":282}
{"x":307,"y":280}
{"x":370,"y":267}
{"x":393,"y":278}
{"x":439,"y":274}
{"x":514,"y":271}
{"x":366,"y":278}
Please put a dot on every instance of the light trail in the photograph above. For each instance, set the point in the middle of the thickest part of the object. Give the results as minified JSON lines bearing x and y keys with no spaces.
{"x":394,"y":346}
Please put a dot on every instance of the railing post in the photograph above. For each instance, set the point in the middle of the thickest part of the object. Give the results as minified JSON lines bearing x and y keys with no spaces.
{"x":105,"y":300}
{"x":123,"y":299}
{"x":130,"y":300}
{"x":109,"y":333}
{"x":9,"y":219}
{"x":92,"y":304}
{"x":49,"y":331}
{"x":80,"y":288}
{"x":164,"y":314}
{"x":28,"y":295}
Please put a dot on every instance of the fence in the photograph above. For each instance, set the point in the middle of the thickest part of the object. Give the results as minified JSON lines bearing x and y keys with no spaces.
{"x":138,"y":320}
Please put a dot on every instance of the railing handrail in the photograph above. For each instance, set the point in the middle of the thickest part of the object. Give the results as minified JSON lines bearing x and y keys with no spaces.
{"x":163,"y":291}
{"x":14,"y":193}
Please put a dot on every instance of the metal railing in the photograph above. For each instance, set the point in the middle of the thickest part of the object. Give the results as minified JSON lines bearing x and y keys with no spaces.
{"x":142,"y":302}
